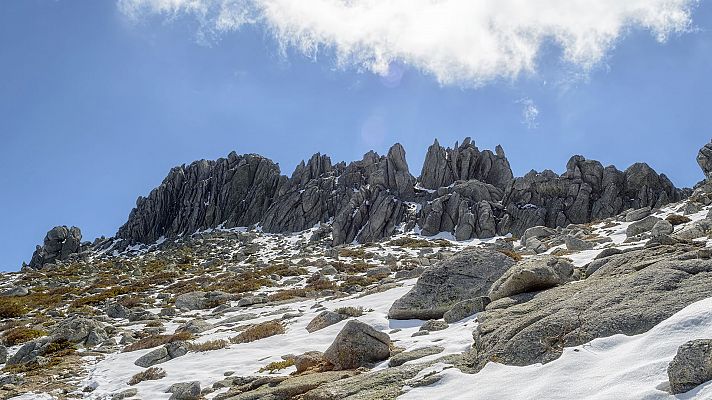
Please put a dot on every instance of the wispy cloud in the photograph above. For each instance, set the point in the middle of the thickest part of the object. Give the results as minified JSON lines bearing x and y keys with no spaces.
{"x":457,"y":41}
{"x":530,"y":113}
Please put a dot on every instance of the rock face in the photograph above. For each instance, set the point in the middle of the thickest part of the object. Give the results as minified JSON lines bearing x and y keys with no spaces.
{"x":358,"y":345}
{"x":465,"y":191}
{"x":467,"y":275}
{"x":586,"y":191}
{"x":324,"y":319}
{"x":59,"y":243}
{"x":691,"y":367}
{"x":465,"y":162}
{"x":616,"y":298}
{"x":704,"y":160}
{"x":232,"y":191}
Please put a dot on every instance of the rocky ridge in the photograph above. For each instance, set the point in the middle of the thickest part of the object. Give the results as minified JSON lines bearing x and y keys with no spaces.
{"x":463,"y":191}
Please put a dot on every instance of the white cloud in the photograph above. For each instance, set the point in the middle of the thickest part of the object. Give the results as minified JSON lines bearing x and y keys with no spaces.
{"x":530,"y":113}
{"x":458,"y":41}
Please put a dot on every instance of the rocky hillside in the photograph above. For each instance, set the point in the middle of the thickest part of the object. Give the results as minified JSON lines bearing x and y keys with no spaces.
{"x":231,"y":281}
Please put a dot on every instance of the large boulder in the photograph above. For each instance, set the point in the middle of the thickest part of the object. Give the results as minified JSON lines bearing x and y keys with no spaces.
{"x":80,"y":330}
{"x":628,"y":294}
{"x":466,"y":275}
{"x":59,"y":244}
{"x":162,"y":354}
{"x":358,"y":345}
{"x":184,"y":391}
{"x":644,"y":225}
{"x":532,"y":275}
{"x":691,"y":367}
{"x":201,"y":300}
{"x":704,"y":160}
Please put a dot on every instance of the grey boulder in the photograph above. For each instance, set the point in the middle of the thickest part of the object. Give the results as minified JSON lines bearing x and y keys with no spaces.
{"x":184,"y":391}
{"x":162,"y":354}
{"x":691,"y":367}
{"x":644,"y":225}
{"x":466,"y":275}
{"x":532,"y":275}
{"x":324,"y":319}
{"x":358,"y":345}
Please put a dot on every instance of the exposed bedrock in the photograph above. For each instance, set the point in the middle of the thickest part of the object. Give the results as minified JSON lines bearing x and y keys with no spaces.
{"x":463,"y":191}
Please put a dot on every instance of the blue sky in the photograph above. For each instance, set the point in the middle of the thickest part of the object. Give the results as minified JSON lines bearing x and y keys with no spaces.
{"x":97,"y":105}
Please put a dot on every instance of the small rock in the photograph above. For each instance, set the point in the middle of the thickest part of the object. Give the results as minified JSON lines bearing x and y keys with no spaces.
{"x":691,"y":367}
{"x":404,"y":357}
{"x":434,"y":325}
{"x":308,"y":360}
{"x":324,"y":319}
{"x":124,"y":394}
{"x":16,"y":291}
{"x":184,"y":391}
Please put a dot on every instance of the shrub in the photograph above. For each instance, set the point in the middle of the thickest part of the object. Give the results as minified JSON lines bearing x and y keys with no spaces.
{"x":157,"y":340}
{"x":277,"y":365}
{"x":511,"y":254}
{"x":208,"y":346}
{"x":354,"y":253}
{"x":11,"y":308}
{"x":676,"y":219}
{"x":350,"y":311}
{"x":151,"y":374}
{"x":21,"y":335}
{"x":259,"y":331}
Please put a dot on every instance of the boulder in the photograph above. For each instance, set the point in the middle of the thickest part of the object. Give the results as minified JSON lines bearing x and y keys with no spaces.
{"x":434,"y":325}
{"x":637,"y":215}
{"x":466,"y":275}
{"x":691,"y":367}
{"x":60,"y":243}
{"x":406,"y":356}
{"x":184,"y":391}
{"x":15,"y":291}
{"x":575,"y":244}
{"x":201,"y":300}
{"x":324,"y":319}
{"x":629,"y":294}
{"x":162,"y":354}
{"x":644,"y":225}
{"x":662,"y":228}
{"x":116,"y":310}
{"x":358,"y":345}
{"x":3,"y":354}
{"x":308,"y":361}
{"x":704,"y":160}
{"x":80,"y":330}
{"x":532,"y":275}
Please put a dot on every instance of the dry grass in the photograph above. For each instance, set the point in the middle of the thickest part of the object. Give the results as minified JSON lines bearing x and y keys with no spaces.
{"x":151,"y":374}
{"x":208,"y":346}
{"x":10,"y":308}
{"x":413,"y":243}
{"x":352,"y":268}
{"x":21,"y":335}
{"x":157,"y":340}
{"x":259,"y":331}
{"x":352,"y":252}
{"x":676,"y":219}
{"x":511,"y":254}
{"x":277,"y":365}
{"x":100,"y":297}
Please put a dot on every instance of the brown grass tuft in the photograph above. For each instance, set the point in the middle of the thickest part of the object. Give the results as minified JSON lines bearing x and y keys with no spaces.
{"x":151,"y":374}
{"x":259,"y":331}
{"x":157,"y":340}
